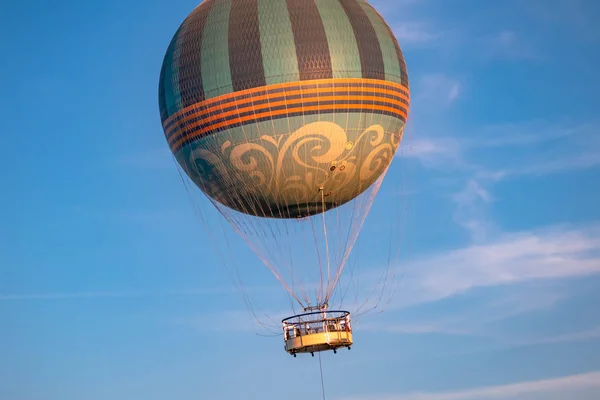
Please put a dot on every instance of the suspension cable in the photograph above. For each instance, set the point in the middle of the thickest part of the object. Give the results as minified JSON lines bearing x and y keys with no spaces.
{"x":322,"y":381}
{"x":326,"y":244}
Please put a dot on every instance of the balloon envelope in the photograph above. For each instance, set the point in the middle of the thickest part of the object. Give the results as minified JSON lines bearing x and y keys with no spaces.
{"x":283,"y":108}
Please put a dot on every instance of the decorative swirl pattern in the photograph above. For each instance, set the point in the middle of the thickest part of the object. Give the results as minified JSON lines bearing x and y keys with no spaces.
{"x":316,"y":166}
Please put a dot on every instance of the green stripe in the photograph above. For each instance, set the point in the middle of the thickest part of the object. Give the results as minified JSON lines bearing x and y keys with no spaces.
{"x":175,"y":72}
{"x":168,"y":79}
{"x":216,"y":75}
{"x":277,"y":42}
{"x":388,"y":49}
{"x":345,"y":58}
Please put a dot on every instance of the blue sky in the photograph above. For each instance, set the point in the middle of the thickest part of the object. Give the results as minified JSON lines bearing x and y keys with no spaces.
{"x":109,"y":288}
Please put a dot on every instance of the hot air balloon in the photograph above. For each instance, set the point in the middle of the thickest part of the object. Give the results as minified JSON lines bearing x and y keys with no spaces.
{"x":287,"y":114}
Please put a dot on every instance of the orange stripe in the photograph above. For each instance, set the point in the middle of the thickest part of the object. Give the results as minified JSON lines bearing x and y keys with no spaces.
{"x":291,"y":84}
{"x":287,"y":85}
{"x":237,"y":120}
{"x":236,"y":102}
{"x":284,"y":103}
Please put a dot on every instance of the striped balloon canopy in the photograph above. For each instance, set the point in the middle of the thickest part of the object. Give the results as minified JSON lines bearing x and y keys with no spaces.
{"x":283,"y":108}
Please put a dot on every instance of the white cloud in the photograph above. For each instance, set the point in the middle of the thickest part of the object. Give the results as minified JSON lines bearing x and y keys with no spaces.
{"x":454,"y":91}
{"x":414,"y":328}
{"x":74,"y":295}
{"x":587,"y":334}
{"x":526,"y":298}
{"x":489,"y":317}
{"x":521,"y":134}
{"x":438,"y":88}
{"x":413,"y":33}
{"x":515,"y":258}
{"x":530,"y":268}
{"x":473,"y":192}
{"x":585,"y":160}
{"x":536,"y":338}
{"x":567,"y":148}
{"x":249,"y":320}
{"x":511,"y":258}
{"x":386,"y":7}
{"x":471,"y":212}
{"x":509,"y":45}
{"x":582,"y":387}
{"x":528,"y":264}
{"x":112,"y":295}
{"x":433,"y":151}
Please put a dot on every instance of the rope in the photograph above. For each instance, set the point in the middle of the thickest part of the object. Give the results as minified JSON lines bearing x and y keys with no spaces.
{"x":322,"y":382}
{"x":326,"y":245}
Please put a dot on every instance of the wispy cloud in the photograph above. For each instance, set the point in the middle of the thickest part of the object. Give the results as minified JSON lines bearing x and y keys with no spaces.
{"x":526,"y":298}
{"x":514,"y":258}
{"x":414,"y":33}
{"x":582,"y":387}
{"x":584,"y":160}
{"x":507,"y":44}
{"x":472,"y":204}
{"x":490,"y":315}
{"x":509,"y":275}
{"x":437,"y":87}
{"x":525,"y":263}
{"x":415,"y":328}
{"x":112,"y":295}
{"x":566,"y":148}
{"x":586,"y":334}
{"x":249,"y":320}
{"x":520,"y":134}
{"x":508,"y":135}
{"x":509,"y":258}
{"x":487,"y":316}
{"x":74,"y":295}
{"x":433,"y":152}
{"x":385,"y":7}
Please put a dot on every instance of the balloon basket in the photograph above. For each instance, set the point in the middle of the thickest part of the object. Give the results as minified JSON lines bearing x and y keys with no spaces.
{"x":315,"y":331}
